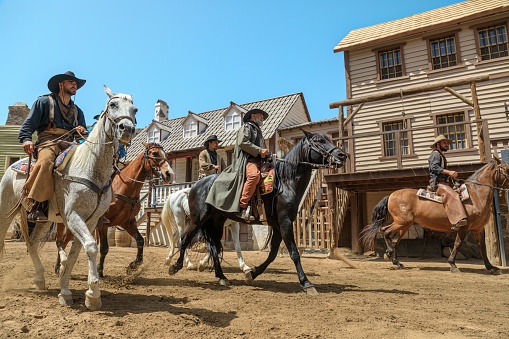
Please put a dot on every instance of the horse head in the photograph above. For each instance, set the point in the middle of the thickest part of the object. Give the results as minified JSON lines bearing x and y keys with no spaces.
{"x":120,"y":114}
{"x":502,"y":173}
{"x":156,"y":163}
{"x":322,"y":151}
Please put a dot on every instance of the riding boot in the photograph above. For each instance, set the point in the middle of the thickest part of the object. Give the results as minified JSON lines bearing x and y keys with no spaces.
{"x":459,"y":224}
{"x":37,"y":213}
{"x":244,"y":214}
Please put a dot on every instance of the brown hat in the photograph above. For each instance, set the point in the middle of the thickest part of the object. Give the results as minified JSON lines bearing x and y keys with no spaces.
{"x":441,"y":137}
{"x":56,"y":79}
{"x":213,"y":137}
{"x":247,"y":116}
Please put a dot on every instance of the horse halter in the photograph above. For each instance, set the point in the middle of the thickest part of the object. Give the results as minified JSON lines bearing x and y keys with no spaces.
{"x":157,"y":162}
{"x":327,"y":156}
{"x":115,"y":121}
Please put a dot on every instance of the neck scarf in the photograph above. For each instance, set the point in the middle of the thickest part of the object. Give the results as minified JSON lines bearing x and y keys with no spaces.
{"x":213,"y":156}
{"x":69,"y":112}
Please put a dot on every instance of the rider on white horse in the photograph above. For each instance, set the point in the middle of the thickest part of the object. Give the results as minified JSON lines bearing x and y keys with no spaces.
{"x":52,"y":116}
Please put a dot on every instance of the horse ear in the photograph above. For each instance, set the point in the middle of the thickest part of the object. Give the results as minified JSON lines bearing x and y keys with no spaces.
{"x":308,"y":135}
{"x":497,"y":159}
{"x":109,"y":92}
{"x":145,"y":144}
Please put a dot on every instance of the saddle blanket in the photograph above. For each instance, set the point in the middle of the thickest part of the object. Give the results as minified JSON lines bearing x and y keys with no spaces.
{"x":423,"y":193}
{"x":21,"y":166}
{"x":267,"y":185}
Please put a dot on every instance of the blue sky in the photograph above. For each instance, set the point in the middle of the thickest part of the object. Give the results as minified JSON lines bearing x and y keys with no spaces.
{"x":195,"y":55}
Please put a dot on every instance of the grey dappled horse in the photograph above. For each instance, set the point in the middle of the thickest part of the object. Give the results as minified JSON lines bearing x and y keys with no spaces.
{"x":82,"y":195}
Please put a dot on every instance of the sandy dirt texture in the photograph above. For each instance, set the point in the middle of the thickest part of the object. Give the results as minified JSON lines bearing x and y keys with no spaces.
{"x":425,"y":300}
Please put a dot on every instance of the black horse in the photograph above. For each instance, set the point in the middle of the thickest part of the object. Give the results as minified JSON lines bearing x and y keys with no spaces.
{"x":292,"y":174}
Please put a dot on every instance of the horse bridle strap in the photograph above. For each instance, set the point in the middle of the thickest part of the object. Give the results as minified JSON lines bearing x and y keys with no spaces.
{"x":127,"y":199}
{"x":89,"y":184}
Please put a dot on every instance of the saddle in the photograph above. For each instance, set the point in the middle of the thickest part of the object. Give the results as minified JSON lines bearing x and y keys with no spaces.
{"x":21,"y":166}
{"x":431,"y":195}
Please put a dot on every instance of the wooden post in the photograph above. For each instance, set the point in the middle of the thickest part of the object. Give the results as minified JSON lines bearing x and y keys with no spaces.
{"x":477,"y":113}
{"x":333,"y":226}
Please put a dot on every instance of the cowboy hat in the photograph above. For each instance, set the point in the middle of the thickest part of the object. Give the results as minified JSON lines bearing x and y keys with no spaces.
{"x":441,"y":137}
{"x":56,"y":79}
{"x":247,"y":116}
{"x":213,"y":137}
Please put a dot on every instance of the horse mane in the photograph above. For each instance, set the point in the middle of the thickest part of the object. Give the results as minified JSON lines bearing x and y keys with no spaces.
{"x":492,"y":163}
{"x":95,"y":138}
{"x":287,"y":169}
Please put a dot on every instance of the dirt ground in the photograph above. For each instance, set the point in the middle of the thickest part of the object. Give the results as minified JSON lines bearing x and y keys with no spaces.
{"x":423,"y":301}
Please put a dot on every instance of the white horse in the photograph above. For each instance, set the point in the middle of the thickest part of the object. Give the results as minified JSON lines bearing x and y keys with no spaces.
{"x":82,"y":195}
{"x":174,"y":217}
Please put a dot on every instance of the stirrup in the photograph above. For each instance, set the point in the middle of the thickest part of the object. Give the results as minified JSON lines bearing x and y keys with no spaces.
{"x":459,"y":224}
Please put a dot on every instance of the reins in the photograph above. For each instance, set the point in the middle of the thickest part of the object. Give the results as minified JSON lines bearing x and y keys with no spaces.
{"x":499,"y":170}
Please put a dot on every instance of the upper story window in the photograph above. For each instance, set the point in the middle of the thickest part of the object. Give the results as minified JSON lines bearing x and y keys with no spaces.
{"x":190,"y":129}
{"x":492,"y":41}
{"x":232,"y":121}
{"x":455,"y":132}
{"x":154,"y":136}
{"x":396,"y":142}
{"x":443,"y":52}
{"x":390,"y":63}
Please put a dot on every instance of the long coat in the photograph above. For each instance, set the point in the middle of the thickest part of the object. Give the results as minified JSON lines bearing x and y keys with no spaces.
{"x":227,"y":188}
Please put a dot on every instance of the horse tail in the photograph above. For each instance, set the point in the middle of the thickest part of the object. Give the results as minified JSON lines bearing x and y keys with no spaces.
{"x":378,"y":219}
{"x":168,"y":221}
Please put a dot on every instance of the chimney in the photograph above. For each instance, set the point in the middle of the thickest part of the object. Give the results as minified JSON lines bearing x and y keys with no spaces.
{"x":17,"y":113}
{"x":161,"y":111}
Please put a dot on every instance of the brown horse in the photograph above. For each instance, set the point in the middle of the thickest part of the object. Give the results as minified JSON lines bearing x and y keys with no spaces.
{"x":127,"y":184}
{"x":406,"y":209}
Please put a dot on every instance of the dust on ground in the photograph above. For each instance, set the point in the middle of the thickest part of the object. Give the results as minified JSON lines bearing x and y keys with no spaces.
{"x":423,"y":301}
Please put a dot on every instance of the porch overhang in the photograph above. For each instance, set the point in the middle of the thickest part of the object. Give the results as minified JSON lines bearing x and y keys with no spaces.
{"x":388,"y":180}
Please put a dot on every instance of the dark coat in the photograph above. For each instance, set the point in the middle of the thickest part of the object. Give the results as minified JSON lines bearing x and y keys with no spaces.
{"x":227,"y":188}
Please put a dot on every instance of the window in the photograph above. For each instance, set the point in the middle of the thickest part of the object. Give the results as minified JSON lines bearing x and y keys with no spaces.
{"x":232,"y":121}
{"x":153,"y":136}
{"x":454,"y":132}
{"x":390,"y":140}
{"x":190,"y":129}
{"x":492,"y":41}
{"x":443,"y":52}
{"x":390,"y":63}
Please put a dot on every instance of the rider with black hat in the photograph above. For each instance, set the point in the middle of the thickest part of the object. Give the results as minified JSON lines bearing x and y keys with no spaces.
{"x":210,"y":161}
{"x":52,"y":116}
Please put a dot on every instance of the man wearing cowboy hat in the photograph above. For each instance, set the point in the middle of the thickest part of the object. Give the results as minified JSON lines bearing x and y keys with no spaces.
{"x":210,"y":161}
{"x":442,"y":183}
{"x":230,"y":192}
{"x":52,"y":116}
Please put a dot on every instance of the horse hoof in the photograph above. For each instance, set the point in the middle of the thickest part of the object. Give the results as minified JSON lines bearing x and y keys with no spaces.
{"x":167,"y":262}
{"x":386,"y":257}
{"x":311,"y":291}
{"x":191,"y":267}
{"x":93,"y":304}
{"x":65,"y":299}
{"x":455,"y":270}
{"x":224,"y":282}
{"x":39,"y":285}
{"x":249,"y":278}
{"x":174,"y":269}
{"x":495,"y":271}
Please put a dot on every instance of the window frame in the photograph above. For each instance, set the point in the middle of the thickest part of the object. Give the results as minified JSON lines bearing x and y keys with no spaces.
{"x":195,"y":129}
{"x":153,"y":139}
{"x":444,"y":35}
{"x":408,"y":129}
{"x":385,"y":49}
{"x":468,"y":132}
{"x":476,"y":29}
{"x":231,"y":115}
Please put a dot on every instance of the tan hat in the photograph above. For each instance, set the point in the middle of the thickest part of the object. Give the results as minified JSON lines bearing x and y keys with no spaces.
{"x":441,"y":137}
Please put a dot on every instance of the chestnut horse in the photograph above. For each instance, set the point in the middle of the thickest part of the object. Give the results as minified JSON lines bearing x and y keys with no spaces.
{"x":406,"y":208}
{"x":127,"y":184}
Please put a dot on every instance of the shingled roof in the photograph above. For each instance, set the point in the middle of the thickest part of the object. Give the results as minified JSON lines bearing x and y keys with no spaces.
{"x":420,"y":23}
{"x":278,"y":108}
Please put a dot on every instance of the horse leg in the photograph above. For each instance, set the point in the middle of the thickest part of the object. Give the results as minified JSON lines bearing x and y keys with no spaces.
{"x":132,"y":229}
{"x":479,"y":238}
{"x":62,"y":238}
{"x":104,"y":247}
{"x":235,"y":229}
{"x":215,"y":229}
{"x":185,"y":240}
{"x":460,"y":236}
{"x":275,"y":241}
{"x":83,"y":234}
{"x":392,"y":235}
{"x":33,"y":250}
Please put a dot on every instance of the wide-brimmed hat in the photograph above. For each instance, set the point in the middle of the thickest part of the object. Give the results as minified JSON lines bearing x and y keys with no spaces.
{"x":56,"y":79}
{"x":441,"y":137}
{"x":247,"y":116}
{"x":213,"y":137}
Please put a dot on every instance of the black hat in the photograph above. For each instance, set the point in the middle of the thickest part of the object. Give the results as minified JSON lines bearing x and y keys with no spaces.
{"x":213,"y":137}
{"x":247,"y":116}
{"x":56,"y":79}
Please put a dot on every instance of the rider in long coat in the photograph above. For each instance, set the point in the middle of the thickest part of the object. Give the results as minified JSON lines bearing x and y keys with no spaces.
{"x":227,"y":189}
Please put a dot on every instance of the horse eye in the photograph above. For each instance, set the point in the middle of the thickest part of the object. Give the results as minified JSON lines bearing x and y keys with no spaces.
{"x":113,"y":104}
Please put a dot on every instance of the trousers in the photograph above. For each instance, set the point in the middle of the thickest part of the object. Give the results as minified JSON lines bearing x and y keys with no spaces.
{"x":452,"y":203}
{"x":252,"y":179}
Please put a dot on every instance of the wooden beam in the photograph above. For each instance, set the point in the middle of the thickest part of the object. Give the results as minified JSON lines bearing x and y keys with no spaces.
{"x":459,"y":96}
{"x":350,"y":117}
{"x":409,"y":91}
{"x":477,"y":114}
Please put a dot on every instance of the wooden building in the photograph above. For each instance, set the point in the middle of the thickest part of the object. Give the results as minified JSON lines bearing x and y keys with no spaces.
{"x":445,"y":71}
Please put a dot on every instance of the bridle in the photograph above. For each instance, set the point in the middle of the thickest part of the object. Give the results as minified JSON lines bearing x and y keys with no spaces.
{"x":153,"y":167}
{"x":327,"y":157}
{"x":499,"y":171}
{"x":114,"y":122}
